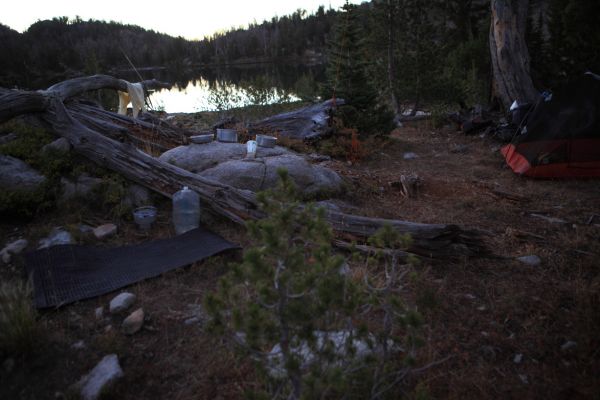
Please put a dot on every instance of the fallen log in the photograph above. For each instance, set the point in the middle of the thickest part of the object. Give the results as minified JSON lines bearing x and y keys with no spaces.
{"x":308,"y":123}
{"x":433,"y":241}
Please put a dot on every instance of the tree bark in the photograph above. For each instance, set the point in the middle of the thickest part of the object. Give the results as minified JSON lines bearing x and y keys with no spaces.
{"x":391,"y":67}
{"x":509,"y":54}
{"x":308,"y":123}
{"x":434,"y":241}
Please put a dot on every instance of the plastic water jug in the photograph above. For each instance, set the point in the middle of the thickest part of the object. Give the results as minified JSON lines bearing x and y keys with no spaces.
{"x":186,"y":210}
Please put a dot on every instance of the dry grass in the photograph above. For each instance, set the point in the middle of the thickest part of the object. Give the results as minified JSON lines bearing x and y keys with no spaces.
{"x":19,"y":330}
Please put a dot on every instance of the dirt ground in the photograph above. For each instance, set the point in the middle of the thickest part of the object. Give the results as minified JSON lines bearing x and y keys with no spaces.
{"x":505,"y":329}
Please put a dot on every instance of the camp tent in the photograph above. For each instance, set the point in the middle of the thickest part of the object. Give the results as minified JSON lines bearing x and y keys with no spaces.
{"x":560,"y":137}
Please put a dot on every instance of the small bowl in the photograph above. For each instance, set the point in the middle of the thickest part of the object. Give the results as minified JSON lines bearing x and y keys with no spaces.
{"x":199,"y":139}
{"x":144,"y":217}
{"x":266,"y":141}
{"x":227,"y":135}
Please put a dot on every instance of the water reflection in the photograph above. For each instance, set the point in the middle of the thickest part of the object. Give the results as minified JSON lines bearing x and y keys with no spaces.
{"x":216,"y":89}
{"x":200,"y":95}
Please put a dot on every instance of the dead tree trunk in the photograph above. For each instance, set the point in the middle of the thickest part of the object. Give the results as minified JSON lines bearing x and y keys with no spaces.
{"x":508,"y":49}
{"x":435,"y":241}
{"x":308,"y":123}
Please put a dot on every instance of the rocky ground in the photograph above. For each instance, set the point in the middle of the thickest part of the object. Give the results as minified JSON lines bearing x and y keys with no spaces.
{"x":499,"y":327}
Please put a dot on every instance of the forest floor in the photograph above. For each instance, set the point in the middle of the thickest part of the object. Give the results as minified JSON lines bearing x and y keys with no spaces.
{"x":504,"y":328}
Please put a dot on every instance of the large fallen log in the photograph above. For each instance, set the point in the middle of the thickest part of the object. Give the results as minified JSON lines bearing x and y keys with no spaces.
{"x":308,"y":123}
{"x":434,"y":241}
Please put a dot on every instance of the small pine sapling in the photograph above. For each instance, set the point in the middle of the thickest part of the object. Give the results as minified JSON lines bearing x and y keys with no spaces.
{"x":292,"y":308}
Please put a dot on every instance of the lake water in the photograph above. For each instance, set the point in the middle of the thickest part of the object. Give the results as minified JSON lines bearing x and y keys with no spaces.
{"x":218,"y":89}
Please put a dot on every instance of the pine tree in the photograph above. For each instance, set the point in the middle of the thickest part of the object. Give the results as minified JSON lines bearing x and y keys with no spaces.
{"x":294,"y":308}
{"x":348,"y":76}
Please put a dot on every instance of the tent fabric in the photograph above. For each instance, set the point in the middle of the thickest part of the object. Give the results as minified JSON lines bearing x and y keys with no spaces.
{"x":67,"y":273}
{"x":135,"y":95}
{"x":561,"y":136}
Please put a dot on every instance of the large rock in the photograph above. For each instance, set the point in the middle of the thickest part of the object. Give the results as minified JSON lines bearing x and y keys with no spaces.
{"x":133,"y":322}
{"x":227,"y":163}
{"x":260,"y":174}
{"x":82,"y":187}
{"x":57,"y":236}
{"x":199,"y":157}
{"x":105,"y":231}
{"x":100,"y":378}
{"x":15,"y":175}
{"x":121,"y":302}
{"x":15,"y":247}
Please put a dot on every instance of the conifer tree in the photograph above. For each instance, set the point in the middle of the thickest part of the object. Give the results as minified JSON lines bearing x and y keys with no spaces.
{"x":348,"y":76}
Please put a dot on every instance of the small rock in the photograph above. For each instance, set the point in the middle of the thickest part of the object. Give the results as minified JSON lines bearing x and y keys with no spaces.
{"x":410,"y":156}
{"x":314,"y":157}
{"x":121,"y":302}
{"x":8,"y":365}
{"x":108,"y":328}
{"x":79,"y":345}
{"x":57,"y":237}
{"x":99,"y":312}
{"x":60,"y":145}
{"x":192,"y":321}
{"x":344,"y":269}
{"x":104,"y":373}
{"x":85,"y":229}
{"x":482,"y":308}
{"x":531,"y":259}
{"x":13,"y":248}
{"x":524,"y":379}
{"x":518,"y":358}
{"x":569,"y":344}
{"x":133,"y":322}
{"x":105,"y":231}
{"x":469,"y":296}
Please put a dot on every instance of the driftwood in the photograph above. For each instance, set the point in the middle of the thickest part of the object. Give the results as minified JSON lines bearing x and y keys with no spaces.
{"x":308,"y":123}
{"x":411,"y":184}
{"x":100,"y":143}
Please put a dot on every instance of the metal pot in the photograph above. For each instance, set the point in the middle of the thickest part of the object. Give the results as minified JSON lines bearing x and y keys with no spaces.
{"x":227,"y":135}
{"x":144,"y":217}
{"x":266,"y":141}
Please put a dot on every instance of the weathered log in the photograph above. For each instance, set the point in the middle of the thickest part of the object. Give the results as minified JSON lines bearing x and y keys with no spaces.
{"x":308,"y":123}
{"x":435,"y":241}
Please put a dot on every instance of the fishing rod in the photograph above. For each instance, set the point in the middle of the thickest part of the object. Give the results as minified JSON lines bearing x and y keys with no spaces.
{"x":146,"y":100}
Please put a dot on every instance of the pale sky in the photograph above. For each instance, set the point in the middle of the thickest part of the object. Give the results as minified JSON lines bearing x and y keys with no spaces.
{"x":192,"y":19}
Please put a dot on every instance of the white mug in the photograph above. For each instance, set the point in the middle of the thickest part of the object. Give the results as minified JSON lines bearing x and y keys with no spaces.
{"x":251,"y":146}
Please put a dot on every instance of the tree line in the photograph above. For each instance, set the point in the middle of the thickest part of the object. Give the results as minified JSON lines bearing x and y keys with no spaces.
{"x":411,"y":51}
